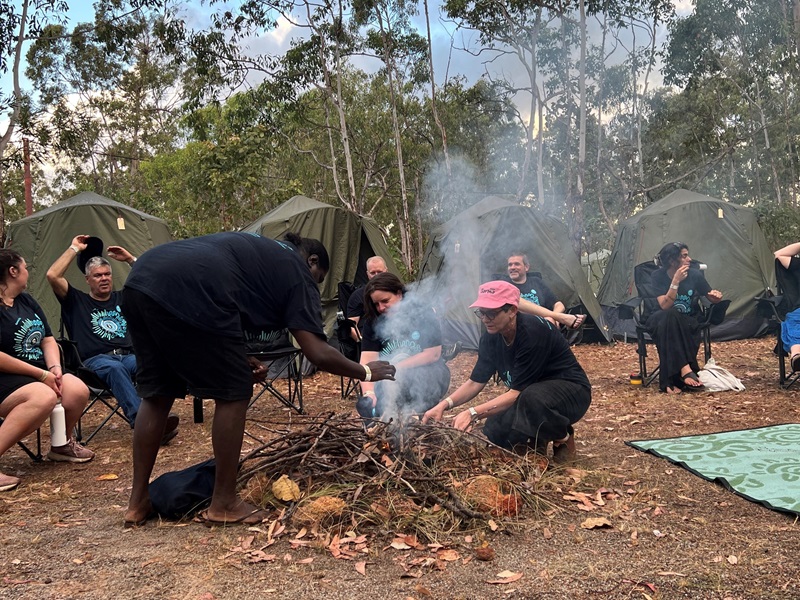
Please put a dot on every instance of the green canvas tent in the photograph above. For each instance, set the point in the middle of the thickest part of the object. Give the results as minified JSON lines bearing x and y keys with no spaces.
{"x":349,"y":238}
{"x":724,"y":236}
{"x":43,"y":236}
{"x":473,"y":247}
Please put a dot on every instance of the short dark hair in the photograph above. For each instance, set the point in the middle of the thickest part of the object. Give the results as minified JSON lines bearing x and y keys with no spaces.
{"x":671,"y":253}
{"x":523,"y":255}
{"x":382,"y":282}
{"x":309,"y":246}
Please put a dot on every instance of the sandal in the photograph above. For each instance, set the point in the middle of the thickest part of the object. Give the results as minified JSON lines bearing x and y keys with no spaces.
{"x":252,"y":518}
{"x":692,"y":376}
{"x":795,"y":362}
{"x":578,"y":322}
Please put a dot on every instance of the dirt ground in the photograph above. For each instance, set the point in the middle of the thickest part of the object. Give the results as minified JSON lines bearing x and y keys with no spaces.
{"x":671,"y":534}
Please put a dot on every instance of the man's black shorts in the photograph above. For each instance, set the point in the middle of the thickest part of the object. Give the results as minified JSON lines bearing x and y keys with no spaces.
{"x":174,"y":357}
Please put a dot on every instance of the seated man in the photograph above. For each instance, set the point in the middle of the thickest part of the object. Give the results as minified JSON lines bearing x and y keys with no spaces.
{"x":96,"y":324}
{"x":535,"y":292}
{"x":355,"y":305}
{"x":790,"y":327}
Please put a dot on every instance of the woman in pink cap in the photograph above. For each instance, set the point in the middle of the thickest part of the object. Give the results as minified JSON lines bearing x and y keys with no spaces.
{"x":548,"y":391}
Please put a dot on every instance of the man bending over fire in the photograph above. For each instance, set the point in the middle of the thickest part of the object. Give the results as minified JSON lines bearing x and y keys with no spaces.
{"x":548,"y":391}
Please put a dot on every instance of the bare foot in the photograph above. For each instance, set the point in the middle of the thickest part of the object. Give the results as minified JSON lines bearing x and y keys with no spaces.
{"x":673,"y":390}
{"x":137,"y":516}
{"x":242,"y":512}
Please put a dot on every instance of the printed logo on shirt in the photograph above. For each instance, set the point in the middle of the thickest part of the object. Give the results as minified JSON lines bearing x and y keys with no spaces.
{"x":262,"y":337}
{"x":532,"y":296}
{"x":506,"y":377}
{"x":28,"y":339}
{"x":683,"y":302}
{"x":109,"y":324}
{"x":405,"y":347}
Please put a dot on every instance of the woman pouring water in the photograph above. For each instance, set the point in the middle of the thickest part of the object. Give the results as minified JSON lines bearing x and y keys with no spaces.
{"x":547,"y":393}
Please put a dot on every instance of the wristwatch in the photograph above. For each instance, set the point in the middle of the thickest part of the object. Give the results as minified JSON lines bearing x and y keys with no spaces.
{"x":473,"y":413}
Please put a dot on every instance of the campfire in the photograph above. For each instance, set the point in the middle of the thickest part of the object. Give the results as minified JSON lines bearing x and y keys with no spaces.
{"x":329,"y":470}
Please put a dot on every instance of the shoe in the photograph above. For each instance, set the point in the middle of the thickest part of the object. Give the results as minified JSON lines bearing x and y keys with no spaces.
{"x":71,"y":452}
{"x":564,"y":452}
{"x":451,"y":351}
{"x":171,"y":428}
{"x":8,"y":482}
{"x":794,"y":362}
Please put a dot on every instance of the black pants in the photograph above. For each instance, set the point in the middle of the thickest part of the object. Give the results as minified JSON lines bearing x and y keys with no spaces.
{"x":677,"y":338}
{"x":544,"y":411}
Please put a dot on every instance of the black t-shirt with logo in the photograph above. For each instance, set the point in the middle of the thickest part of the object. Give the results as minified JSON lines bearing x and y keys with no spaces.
{"x":539,"y":352}
{"x":97,"y":326}
{"x":689,"y":290}
{"x":22,"y":329}
{"x":402,"y":332}
{"x":536,"y":291}
{"x":227,"y":283}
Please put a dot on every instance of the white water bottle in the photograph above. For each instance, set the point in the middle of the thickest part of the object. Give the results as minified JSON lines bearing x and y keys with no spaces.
{"x":58,"y":427}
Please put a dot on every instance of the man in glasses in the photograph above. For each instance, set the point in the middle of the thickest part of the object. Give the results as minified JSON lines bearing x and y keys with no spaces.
{"x":547,"y":393}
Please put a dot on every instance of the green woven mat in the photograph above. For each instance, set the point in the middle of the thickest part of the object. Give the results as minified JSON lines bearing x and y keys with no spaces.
{"x":762,"y":465}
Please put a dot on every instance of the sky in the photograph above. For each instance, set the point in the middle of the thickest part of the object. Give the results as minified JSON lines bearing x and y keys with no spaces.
{"x":449,"y":60}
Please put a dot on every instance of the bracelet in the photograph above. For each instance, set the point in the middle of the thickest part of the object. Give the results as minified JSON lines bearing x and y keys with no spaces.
{"x":368,"y":373}
{"x":43,"y":378}
{"x":75,"y":249}
{"x":672,"y":286}
{"x":53,"y":367}
{"x":473,"y":413}
{"x":449,"y":401}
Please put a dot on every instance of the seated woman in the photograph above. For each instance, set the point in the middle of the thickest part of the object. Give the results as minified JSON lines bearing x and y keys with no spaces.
{"x":31,"y":380}
{"x":790,"y":327}
{"x":673,"y":325}
{"x":547,"y":393}
{"x":408,"y":335}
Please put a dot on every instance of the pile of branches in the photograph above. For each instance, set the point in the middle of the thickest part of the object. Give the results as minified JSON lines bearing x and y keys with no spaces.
{"x":431,"y":465}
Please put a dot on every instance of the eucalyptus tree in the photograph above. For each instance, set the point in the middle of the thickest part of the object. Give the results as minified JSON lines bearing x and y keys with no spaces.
{"x":747,"y":49}
{"x":110,"y":93}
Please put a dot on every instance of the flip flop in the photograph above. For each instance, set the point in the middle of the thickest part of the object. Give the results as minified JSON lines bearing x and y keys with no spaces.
{"x":578,"y":322}
{"x":126,"y":524}
{"x":248,"y":519}
{"x":692,"y":376}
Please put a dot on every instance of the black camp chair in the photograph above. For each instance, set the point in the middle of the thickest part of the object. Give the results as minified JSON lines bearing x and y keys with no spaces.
{"x":36,"y":455}
{"x":642,"y":306}
{"x":99,"y":392}
{"x":347,"y":345}
{"x":775,"y":308}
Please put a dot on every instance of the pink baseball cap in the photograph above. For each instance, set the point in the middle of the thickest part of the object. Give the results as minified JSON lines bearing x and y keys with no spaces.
{"x":494,"y":294}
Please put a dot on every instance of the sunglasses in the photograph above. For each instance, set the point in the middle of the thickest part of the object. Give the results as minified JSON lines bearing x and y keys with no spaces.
{"x":489,"y":315}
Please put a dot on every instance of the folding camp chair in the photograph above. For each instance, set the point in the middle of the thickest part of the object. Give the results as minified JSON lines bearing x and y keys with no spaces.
{"x":283,"y":361}
{"x":99,"y":392}
{"x":775,"y":308}
{"x":37,"y":455}
{"x":344,"y":327}
{"x":642,"y":306}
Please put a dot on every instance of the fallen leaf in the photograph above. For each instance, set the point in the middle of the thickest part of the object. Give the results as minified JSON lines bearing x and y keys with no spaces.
{"x":671,"y":573}
{"x":399,"y":544}
{"x":506,"y":577}
{"x":732,"y":559}
{"x":596,"y":523}
{"x":306,"y":561}
{"x":492,"y":525}
{"x":301,"y":533}
{"x":547,"y":533}
{"x":485,"y":553}
{"x":285,"y":489}
{"x":448,"y":555}
{"x":361,"y":567}
{"x":108,"y":477}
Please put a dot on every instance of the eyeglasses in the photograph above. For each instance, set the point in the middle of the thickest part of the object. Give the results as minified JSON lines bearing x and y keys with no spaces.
{"x":489,"y":315}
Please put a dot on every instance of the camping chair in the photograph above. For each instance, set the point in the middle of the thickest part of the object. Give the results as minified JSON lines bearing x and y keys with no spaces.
{"x":350,"y":348}
{"x":283,"y":361}
{"x":99,"y":392}
{"x":642,"y":306}
{"x":37,"y":455}
{"x":775,"y":308}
